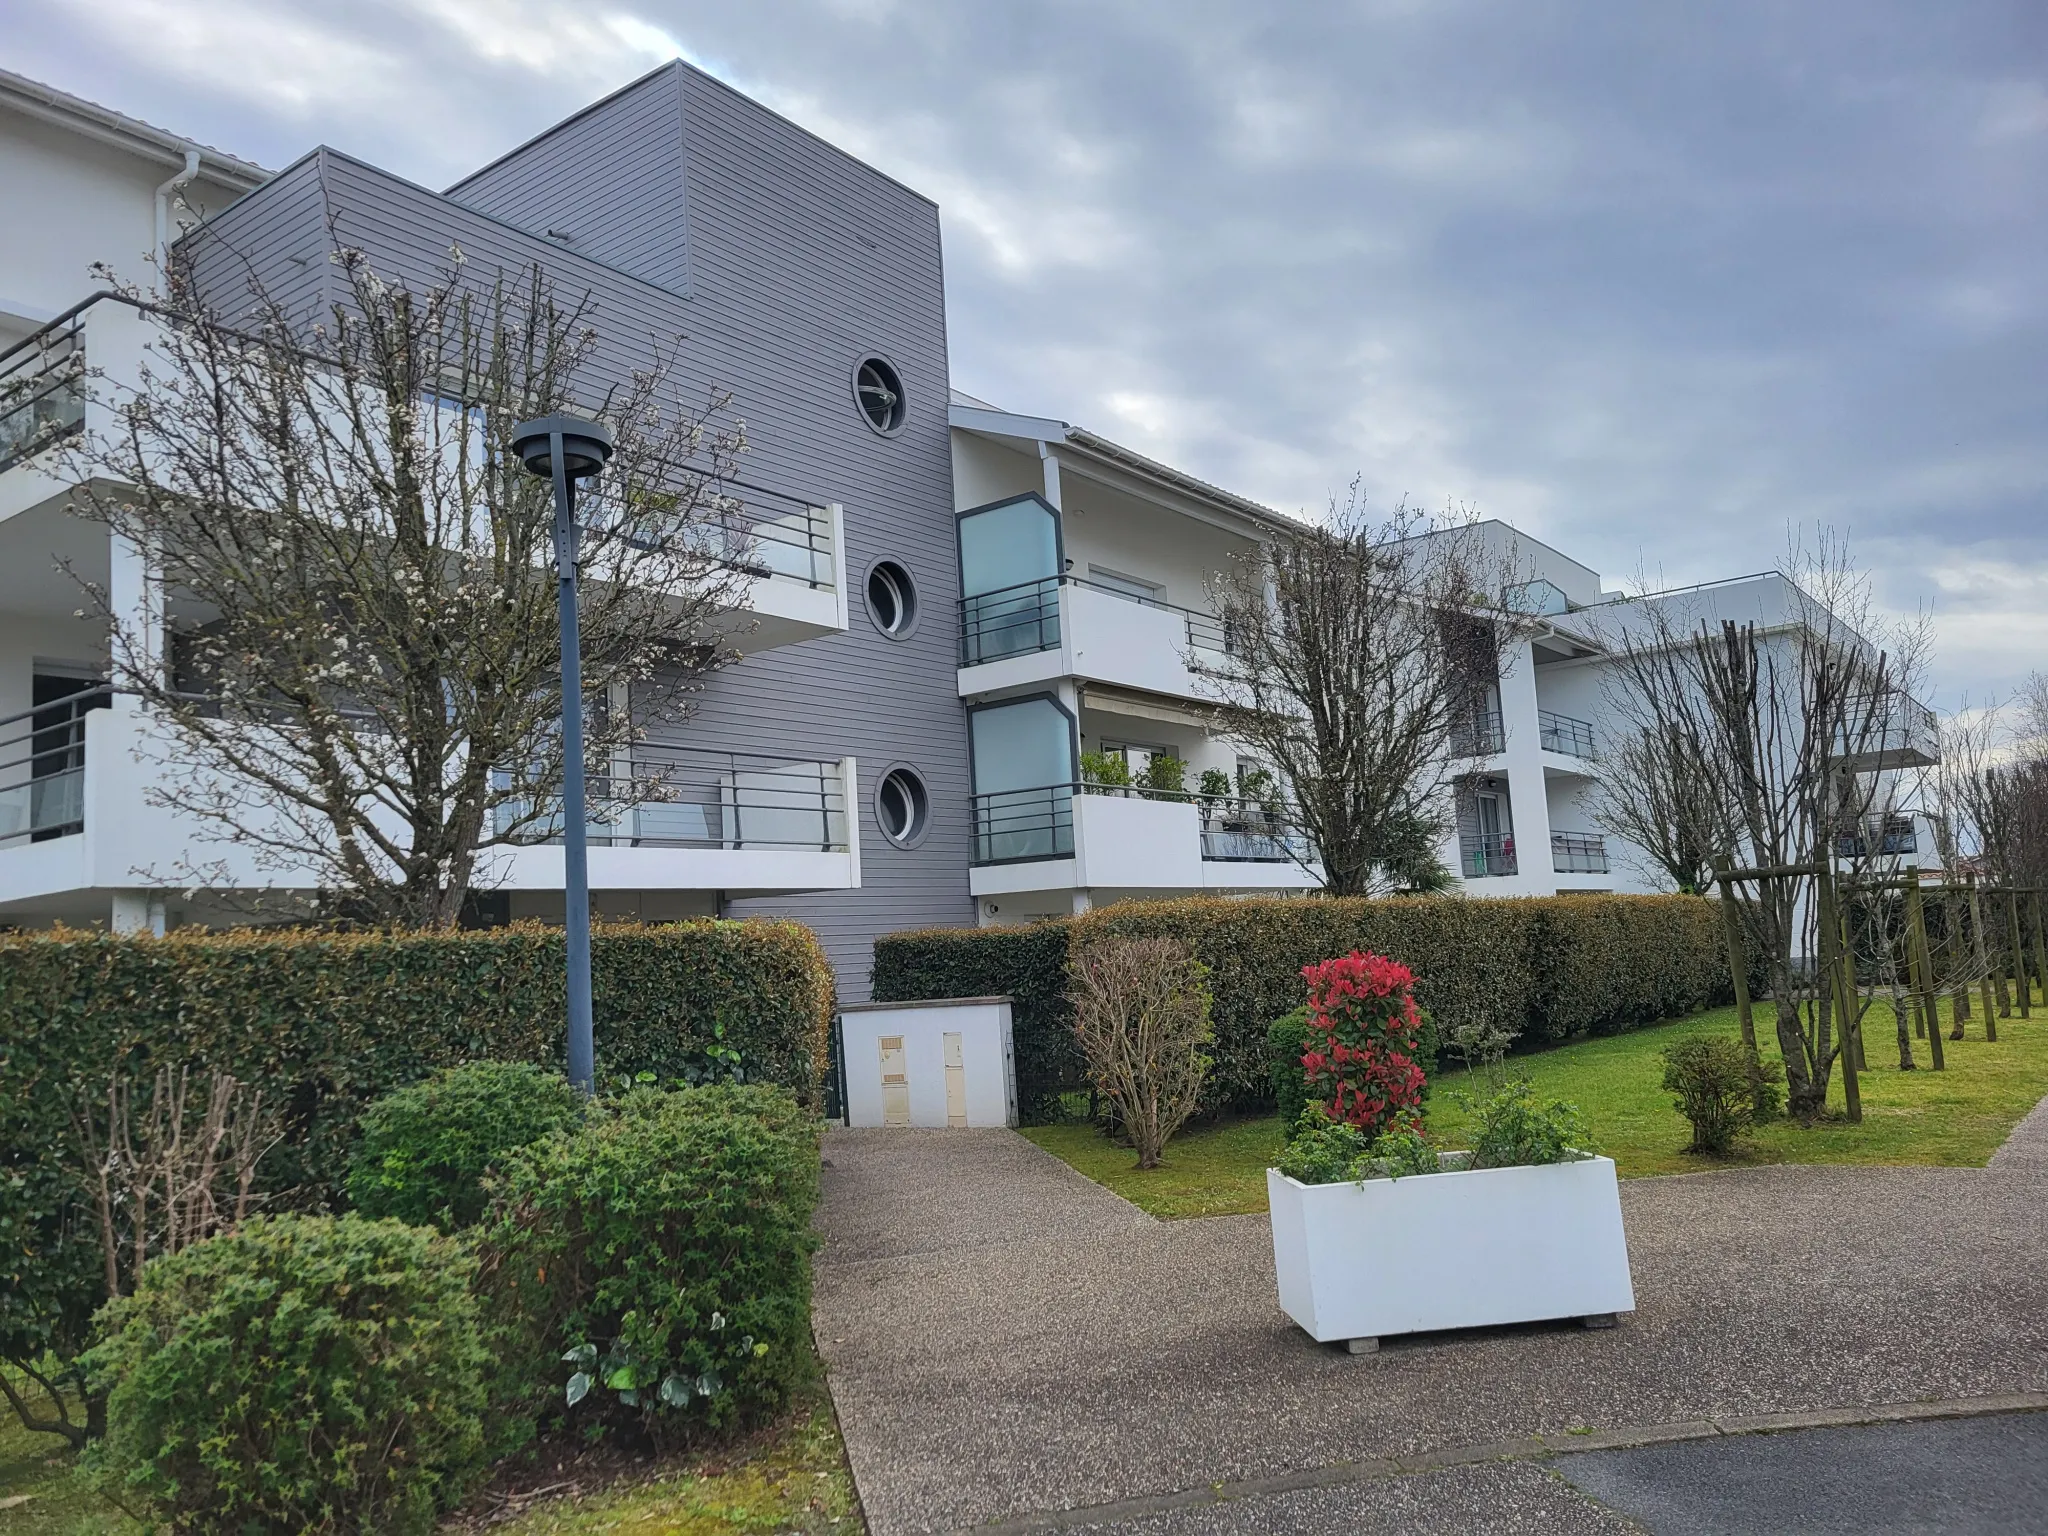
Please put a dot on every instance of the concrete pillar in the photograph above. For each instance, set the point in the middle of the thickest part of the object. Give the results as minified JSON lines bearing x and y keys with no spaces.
{"x":136,"y":598}
{"x":1528,"y":795}
{"x":1084,"y":901}
{"x":137,"y":912}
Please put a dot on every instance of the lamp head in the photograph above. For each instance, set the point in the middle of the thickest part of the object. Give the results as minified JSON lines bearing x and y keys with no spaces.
{"x":586,"y":445}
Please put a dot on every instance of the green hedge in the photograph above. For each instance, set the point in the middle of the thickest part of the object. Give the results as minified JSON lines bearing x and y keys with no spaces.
{"x":323,"y":1023}
{"x":1546,"y":968}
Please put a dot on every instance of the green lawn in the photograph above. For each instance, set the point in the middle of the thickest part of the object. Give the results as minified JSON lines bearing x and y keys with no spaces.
{"x":1957,"y":1117}
{"x":792,"y":1478}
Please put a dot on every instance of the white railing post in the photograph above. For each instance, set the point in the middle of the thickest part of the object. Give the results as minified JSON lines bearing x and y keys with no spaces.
{"x":849,"y":791}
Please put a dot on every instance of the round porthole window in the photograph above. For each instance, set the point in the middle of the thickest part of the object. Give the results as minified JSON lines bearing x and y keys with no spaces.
{"x":892,"y":599}
{"x":902,"y":807}
{"x":878,"y":391}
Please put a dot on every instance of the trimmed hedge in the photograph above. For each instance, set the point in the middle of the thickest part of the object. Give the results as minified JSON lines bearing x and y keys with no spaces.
{"x":323,"y":1023}
{"x":1545,"y":968}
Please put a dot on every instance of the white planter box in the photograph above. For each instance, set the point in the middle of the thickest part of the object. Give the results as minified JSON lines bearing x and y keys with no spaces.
{"x":1450,"y":1250}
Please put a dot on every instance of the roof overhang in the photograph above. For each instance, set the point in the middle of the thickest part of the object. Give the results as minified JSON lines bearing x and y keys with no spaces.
{"x":88,"y":119}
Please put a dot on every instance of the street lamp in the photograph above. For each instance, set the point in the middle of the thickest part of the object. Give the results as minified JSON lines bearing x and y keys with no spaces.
{"x":566,"y":449}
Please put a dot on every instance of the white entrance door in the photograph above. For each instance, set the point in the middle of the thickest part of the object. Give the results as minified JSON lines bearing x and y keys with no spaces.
{"x":895,"y":1082}
{"x":956,"y":1081}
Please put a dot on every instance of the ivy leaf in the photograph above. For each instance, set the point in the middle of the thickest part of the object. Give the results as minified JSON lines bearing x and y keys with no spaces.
{"x":579,"y":1384}
{"x":624,"y":1379}
{"x":583,"y":1356}
{"x":717,"y":1321}
{"x":630,"y":1398}
{"x":708,"y":1383}
{"x":674,"y":1390}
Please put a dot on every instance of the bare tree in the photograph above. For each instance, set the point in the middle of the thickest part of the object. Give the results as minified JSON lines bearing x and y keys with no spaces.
{"x":1793,"y":723}
{"x":362,"y":682}
{"x":163,"y":1164}
{"x":1358,"y":648}
{"x":1656,"y":795}
{"x":1141,"y":1015}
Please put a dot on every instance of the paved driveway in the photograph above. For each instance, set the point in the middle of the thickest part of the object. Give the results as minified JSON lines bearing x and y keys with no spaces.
{"x":1008,"y":1342}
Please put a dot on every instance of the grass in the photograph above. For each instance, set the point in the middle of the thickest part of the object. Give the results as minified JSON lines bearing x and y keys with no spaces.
{"x":1954,"y":1118}
{"x":792,"y":1479}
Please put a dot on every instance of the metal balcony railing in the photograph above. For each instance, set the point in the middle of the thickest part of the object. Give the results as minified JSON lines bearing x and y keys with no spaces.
{"x":1477,"y":733}
{"x":1021,"y":619}
{"x":691,"y":799}
{"x":1484,"y":855}
{"x":1881,"y":836}
{"x":1018,"y":824}
{"x":1563,"y":733}
{"x":1578,"y":853}
{"x":42,"y":387}
{"x":42,"y":767}
{"x":775,"y":535}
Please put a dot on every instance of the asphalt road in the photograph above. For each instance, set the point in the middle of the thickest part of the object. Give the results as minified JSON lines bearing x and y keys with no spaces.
{"x":1986,"y":1474}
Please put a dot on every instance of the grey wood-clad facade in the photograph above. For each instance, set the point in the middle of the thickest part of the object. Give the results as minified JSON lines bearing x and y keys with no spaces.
{"x":698,"y":220}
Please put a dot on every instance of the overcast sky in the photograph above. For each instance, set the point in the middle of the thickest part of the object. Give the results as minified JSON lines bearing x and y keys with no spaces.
{"x":1655,"y":282}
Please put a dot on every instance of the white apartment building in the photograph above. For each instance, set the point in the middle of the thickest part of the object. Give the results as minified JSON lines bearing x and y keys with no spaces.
{"x":979,"y":645}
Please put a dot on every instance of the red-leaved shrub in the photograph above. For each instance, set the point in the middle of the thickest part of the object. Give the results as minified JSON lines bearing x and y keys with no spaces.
{"x":1363,"y":1027}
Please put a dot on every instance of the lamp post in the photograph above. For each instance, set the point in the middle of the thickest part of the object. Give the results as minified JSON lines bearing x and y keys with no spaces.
{"x":566,"y":449}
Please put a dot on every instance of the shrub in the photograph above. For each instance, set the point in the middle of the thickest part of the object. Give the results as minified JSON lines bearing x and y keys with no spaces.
{"x":304,"y":1373}
{"x":1365,"y":1022}
{"x":1321,"y":1150}
{"x":1536,"y":968}
{"x":1141,"y":1014}
{"x":659,"y":1258}
{"x":323,"y":1023}
{"x":1514,"y":1130}
{"x":1717,"y":1091}
{"x":1288,"y":1039}
{"x":425,"y":1149}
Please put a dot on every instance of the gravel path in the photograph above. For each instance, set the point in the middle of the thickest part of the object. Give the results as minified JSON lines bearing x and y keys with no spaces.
{"x":1004,"y":1337}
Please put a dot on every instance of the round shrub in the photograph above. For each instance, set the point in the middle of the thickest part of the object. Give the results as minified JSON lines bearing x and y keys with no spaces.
{"x":425,"y":1148}
{"x":1288,"y":1039}
{"x":1720,"y":1091}
{"x":662,"y":1255}
{"x":304,"y":1373}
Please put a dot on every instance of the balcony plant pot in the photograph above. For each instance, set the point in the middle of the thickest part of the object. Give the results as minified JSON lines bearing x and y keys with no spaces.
{"x":1464,"y":1248}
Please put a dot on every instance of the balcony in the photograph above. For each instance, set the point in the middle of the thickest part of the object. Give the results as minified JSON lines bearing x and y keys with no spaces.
{"x":42,"y":390}
{"x":1564,"y":734}
{"x":1484,"y":856}
{"x":1877,"y":837}
{"x":78,"y":814}
{"x":1109,"y":837}
{"x":786,"y":547}
{"x":1889,"y":731}
{"x":1063,"y":626}
{"x":1477,"y":733}
{"x":1578,"y":853}
{"x":691,"y":820}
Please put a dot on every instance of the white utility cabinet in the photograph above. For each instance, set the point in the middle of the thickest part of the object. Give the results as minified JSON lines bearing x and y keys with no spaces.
{"x":933,"y":1065}
{"x":1359,"y":1261}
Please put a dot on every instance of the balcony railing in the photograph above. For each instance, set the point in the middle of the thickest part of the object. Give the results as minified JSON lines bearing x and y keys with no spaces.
{"x":1014,"y":825}
{"x":1578,"y":853}
{"x":1484,"y":855}
{"x":42,"y":388}
{"x":1881,"y":836}
{"x":1018,"y":620}
{"x":42,"y":768}
{"x":690,"y":799}
{"x":1890,"y":730}
{"x":1562,"y":733}
{"x":1477,"y":733}
{"x":774,"y":535}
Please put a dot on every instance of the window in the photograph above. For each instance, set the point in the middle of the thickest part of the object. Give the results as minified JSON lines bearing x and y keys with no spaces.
{"x":902,"y":807}
{"x":1123,"y":586}
{"x":892,"y":599}
{"x":878,"y":391}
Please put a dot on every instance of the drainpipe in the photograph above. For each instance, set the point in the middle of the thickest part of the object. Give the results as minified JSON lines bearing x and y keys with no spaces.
{"x":163,"y":215}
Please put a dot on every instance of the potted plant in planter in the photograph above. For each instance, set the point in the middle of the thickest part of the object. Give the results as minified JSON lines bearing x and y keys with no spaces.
{"x":1377,"y":1233}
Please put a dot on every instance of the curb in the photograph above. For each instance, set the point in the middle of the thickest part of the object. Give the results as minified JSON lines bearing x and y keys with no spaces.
{"x":1531,"y":1448}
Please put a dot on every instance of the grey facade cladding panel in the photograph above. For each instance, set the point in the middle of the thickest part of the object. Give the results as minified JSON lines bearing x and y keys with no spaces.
{"x":800,"y":260}
{"x":610,"y":178}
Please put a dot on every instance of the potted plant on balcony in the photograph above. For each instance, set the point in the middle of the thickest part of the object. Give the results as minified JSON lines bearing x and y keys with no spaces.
{"x":1376,"y":1232}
